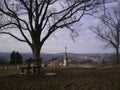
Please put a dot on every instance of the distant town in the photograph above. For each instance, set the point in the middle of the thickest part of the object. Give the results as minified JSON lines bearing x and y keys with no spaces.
{"x":72,"y":57}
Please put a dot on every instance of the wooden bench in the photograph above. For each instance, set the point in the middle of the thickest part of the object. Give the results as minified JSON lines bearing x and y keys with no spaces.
{"x":32,"y":66}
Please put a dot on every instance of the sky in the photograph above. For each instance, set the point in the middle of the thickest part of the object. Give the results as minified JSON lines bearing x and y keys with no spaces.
{"x":86,"y":42}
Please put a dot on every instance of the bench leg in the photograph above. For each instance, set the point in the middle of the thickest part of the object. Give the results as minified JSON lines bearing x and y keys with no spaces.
{"x":28,"y":71}
{"x":22,"y":71}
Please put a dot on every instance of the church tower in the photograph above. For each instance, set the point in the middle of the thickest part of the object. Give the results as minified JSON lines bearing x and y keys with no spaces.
{"x":65,"y":58}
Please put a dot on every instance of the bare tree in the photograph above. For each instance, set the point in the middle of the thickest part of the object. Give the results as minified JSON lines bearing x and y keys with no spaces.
{"x":109,"y":29}
{"x":36,"y":20}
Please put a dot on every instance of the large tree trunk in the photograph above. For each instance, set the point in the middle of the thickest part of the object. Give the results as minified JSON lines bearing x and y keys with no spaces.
{"x":117,"y":55}
{"x":117,"y":47}
{"x":36,"y":49}
{"x":36,"y":52}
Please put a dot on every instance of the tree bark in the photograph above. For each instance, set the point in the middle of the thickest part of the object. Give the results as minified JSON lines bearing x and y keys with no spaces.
{"x":117,"y":47}
{"x":36,"y":49}
{"x":117,"y":55}
{"x":36,"y":52}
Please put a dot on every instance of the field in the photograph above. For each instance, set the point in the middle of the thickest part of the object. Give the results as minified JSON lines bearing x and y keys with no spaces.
{"x":65,"y":79}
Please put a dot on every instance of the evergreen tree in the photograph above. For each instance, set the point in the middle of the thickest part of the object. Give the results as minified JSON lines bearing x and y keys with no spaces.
{"x":12,"y":58}
{"x":18,"y":58}
{"x":15,"y":58}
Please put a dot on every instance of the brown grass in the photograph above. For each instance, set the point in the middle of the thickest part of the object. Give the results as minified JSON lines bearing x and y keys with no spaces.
{"x":66,"y":79}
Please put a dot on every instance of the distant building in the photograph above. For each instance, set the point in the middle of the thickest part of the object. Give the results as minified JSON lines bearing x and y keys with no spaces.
{"x":52,"y":62}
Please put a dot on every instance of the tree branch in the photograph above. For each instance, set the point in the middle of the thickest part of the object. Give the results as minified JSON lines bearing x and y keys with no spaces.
{"x":13,"y":36}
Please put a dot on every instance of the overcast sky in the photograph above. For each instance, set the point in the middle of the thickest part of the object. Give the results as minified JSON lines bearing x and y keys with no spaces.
{"x":86,"y":42}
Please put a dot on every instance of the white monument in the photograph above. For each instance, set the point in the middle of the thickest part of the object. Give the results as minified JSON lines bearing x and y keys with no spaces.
{"x":65,"y":58}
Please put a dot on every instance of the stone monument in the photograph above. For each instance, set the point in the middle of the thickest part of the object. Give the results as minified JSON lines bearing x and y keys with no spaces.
{"x":65,"y":58}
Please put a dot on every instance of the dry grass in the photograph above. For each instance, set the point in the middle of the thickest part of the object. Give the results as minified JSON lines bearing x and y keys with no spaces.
{"x":66,"y":79}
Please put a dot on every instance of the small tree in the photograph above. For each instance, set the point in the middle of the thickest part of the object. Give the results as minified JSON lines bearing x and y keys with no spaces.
{"x":19,"y":58}
{"x":15,"y":58}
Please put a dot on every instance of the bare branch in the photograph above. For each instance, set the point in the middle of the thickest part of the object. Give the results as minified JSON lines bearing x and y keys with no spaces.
{"x":108,"y":31}
{"x":16,"y":37}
